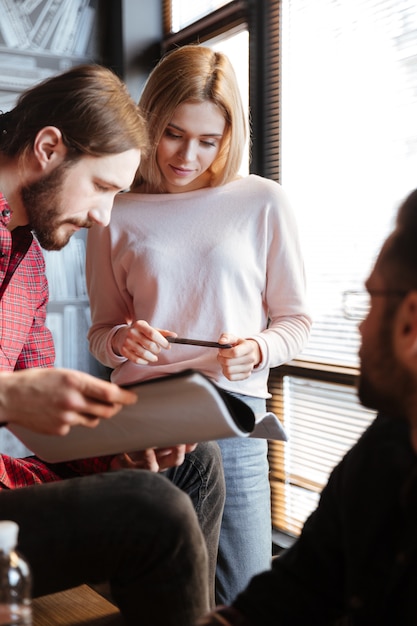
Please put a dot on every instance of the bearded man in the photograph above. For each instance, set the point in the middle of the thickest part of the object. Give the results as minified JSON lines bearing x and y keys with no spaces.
{"x":67,"y":148}
{"x":355,"y":562}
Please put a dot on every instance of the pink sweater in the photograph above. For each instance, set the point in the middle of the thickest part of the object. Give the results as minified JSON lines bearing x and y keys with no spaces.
{"x":221,"y":259}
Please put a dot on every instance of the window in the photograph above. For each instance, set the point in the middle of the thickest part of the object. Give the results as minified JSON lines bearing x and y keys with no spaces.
{"x":333,"y":95}
{"x":349,"y":144}
{"x":348,"y":156}
{"x":236,"y":46}
{"x":322,"y":420}
{"x":183,"y":12}
{"x":185,"y":22}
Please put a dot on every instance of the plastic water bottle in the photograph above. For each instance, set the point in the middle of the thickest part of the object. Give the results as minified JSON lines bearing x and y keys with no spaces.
{"x":15,"y":580}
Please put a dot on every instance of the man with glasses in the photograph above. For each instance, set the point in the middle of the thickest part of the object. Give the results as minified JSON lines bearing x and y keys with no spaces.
{"x":356,"y":559}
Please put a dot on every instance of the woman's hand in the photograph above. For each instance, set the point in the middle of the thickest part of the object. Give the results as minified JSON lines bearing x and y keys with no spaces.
{"x":238,"y":362}
{"x":140,"y":342}
{"x":153,"y":459}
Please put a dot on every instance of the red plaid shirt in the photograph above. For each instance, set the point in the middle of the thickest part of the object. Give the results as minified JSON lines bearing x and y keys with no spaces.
{"x":25,"y":342}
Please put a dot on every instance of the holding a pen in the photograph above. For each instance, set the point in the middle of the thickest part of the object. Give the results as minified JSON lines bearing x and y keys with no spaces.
{"x":198,"y":342}
{"x":141,"y":343}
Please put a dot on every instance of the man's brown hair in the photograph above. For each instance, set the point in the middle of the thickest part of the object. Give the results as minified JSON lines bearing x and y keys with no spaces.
{"x":89,"y":104}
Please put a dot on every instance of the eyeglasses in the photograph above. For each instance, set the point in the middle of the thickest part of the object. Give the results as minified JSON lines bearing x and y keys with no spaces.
{"x":357,"y":304}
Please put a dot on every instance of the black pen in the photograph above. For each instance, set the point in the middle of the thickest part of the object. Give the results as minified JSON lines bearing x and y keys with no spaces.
{"x":198,"y":342}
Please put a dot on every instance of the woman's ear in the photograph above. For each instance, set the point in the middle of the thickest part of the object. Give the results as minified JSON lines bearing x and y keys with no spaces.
{"x":405,"y":331}
{"x":49,"y":148}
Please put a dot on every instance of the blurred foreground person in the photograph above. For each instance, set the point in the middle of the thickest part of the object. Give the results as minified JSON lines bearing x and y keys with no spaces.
{"x":356,"y":558}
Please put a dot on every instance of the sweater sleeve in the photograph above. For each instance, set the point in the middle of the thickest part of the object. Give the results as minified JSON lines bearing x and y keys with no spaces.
{"x":285,"y":294}
{"x":110,"y":309}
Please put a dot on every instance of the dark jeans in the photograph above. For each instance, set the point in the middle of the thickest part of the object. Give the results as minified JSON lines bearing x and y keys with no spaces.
{"x":201,"y":476}
{"x":133,"y":528}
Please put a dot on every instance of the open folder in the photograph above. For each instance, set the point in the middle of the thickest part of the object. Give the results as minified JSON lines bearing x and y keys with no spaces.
{"x":181,"y":408}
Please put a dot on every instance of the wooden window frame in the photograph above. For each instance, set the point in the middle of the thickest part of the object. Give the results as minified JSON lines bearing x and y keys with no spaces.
{"x":229,"y":17}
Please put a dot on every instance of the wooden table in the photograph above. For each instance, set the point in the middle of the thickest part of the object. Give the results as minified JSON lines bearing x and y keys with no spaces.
{"x":81,"y":606}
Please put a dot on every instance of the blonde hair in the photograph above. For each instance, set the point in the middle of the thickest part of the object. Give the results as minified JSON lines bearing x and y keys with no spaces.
{"x":193,"y":73}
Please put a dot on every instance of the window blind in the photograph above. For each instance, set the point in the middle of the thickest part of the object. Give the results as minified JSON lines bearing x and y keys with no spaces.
{"x":348,"y":156}
{"x":322,"y":421}
{"x":349,"y":144}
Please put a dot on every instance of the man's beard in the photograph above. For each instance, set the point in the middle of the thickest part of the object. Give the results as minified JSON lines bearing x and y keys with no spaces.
{"x":43,"y":204}
{"x":384,"y":383}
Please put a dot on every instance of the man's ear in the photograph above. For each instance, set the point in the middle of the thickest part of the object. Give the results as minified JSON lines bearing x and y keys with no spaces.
{"x":49,"y":148}
{"x":405,"y":331}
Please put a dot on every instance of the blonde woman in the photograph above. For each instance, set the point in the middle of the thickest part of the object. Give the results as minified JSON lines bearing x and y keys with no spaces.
{"x":195,"y":249}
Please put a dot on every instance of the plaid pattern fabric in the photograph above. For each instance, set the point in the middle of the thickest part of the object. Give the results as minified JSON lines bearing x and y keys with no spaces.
{"x":16,"y":473}
{"x":26,"y":342}
{"x":24,"y":339}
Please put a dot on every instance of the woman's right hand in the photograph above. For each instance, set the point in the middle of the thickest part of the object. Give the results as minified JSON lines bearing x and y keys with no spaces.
{"x":140,"y":342}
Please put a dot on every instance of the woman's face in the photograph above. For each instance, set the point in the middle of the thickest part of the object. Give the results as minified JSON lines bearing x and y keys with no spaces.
{"x":189,"y":145}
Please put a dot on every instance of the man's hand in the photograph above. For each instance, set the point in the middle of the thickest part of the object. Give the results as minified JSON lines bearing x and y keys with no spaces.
{"x":153,"y":459}
{"x":51,"y":401}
